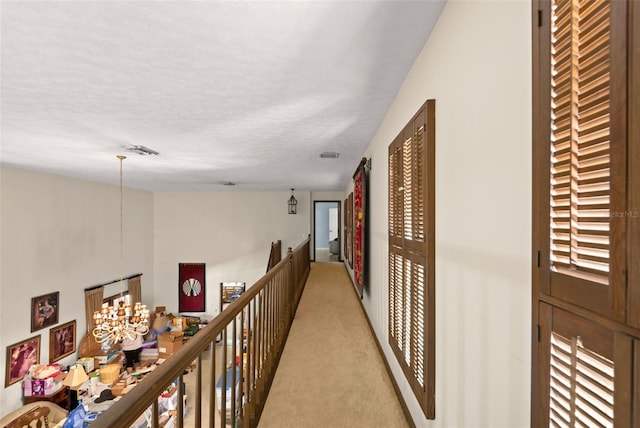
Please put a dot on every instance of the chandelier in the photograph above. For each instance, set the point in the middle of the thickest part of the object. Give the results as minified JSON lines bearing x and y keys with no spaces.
{"x":115,"y":323}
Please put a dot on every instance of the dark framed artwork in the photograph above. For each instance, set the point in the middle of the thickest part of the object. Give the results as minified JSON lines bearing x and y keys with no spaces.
{"x":20,"y":357}
{"x":359,"y":225}
{"x":191,"y":287}
{"x":44,"y":311}
{"x":62,"y":341}
{"x":349,"y":240}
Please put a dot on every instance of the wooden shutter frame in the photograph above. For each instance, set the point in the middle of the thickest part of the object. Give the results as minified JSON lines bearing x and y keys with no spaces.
{"x":624,"y":317}
{"x":633,"y":123}
{"x":605,"y":299}
{"x":400,"y":245}
{"x":604,"y":339}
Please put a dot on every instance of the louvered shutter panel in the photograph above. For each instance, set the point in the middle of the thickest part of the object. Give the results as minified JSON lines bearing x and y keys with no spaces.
{"x":419,"y":190}
{"x":581,"y":385}
{"x":407,"y":182}
{"x":396,"y":264}
{"x":580,"y":139}
{"x":410,"y":319}
{"x":396,"y":300}
{"x":585,"y":278}
{"x":395,"y":193}
{"x":587,"y":155}
{"x":415,"y":270}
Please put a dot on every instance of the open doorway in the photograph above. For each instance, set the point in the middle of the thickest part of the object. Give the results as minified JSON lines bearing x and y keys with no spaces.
{"x":326,"y":231}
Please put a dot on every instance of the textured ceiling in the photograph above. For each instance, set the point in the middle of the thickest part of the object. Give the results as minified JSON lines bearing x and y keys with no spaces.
{"x":250,"y":92}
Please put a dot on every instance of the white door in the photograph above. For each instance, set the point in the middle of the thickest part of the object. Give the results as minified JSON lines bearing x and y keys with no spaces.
{"x":333,"y":224}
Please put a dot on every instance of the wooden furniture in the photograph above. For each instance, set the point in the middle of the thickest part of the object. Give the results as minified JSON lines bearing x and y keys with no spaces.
{"x":37,"y":416}
{"x":54,"y":414}
{"x":60,"y":397}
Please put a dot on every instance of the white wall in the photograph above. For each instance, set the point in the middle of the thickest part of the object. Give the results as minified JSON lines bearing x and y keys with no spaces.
{"x":62,"y":234}
{"x":476,"y":65}
{"x":229,"y":231}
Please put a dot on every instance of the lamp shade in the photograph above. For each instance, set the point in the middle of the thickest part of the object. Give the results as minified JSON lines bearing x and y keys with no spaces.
{"x":76,"y":377}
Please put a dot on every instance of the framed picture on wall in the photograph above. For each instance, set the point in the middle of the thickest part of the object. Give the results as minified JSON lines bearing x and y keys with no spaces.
{"x":20,"y":357}
{"x":349,"y":240}
{"x":44,"y":311}
{"x":62,"y":341}
{"x":191,"y":287}
{"x":360,"y":225}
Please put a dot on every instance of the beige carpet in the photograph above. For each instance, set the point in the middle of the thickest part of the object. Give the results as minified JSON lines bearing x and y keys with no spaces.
{"x":331,"y":373}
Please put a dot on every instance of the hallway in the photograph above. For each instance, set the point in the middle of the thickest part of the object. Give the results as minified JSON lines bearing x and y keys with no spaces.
{"x":331,"y":373}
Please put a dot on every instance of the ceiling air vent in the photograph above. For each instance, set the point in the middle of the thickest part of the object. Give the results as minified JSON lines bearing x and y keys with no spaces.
{"x":329,"y":155}
{"x":141,"y":150}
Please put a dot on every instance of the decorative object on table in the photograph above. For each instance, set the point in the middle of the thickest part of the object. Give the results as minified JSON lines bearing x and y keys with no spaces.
{"x":44,"y":311}
{"x":42,"y":379}
{"x":105,"y":395}
{"x":20,"y":357}
{"x":62,"y":341}
{"x":75,"y":378}
{"x":360,"y":180}
{"x":113,"y":323}
{"x":110,"y":373}
{"x":191,"y":287}
{"x":89,"y":363}
{"x":292,"y":204}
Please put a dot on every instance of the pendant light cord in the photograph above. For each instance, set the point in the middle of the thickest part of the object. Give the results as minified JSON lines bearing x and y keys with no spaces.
{"x":121,"y":157}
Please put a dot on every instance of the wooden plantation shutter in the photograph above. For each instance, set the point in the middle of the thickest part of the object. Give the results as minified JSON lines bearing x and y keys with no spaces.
{"x":587,"y":154}
{"x":586,"y":384}
{"x":581,"y":384}
{"x":586,"y":159}
{"x":585,"y":266}
{"x":580,"y":149}
{"x":411,"y":254}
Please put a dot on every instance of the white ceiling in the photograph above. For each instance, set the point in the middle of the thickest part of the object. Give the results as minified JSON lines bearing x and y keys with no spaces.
{"x":250,"y":92}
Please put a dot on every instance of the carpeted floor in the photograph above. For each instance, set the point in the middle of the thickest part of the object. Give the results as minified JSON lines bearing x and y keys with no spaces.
{"x":331,"y":373}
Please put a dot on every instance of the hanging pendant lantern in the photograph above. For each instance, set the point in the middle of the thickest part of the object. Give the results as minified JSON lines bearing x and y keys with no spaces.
{"x":293,"y":204}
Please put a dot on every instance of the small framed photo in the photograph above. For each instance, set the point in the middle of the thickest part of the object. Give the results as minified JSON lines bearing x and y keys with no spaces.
{"x":44,"y":311}
{"x":20,"y":357}
{"x":62,"y":341}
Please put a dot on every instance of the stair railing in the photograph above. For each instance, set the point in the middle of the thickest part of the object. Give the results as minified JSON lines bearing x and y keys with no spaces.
{"x":244,"y":342}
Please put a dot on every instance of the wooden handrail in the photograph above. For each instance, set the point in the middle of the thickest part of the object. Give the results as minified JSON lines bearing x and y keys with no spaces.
{"x":269,"y":307}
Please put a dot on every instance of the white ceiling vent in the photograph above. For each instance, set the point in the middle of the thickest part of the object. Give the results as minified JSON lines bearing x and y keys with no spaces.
{"x":141,"y":150}
{"x":329,"y":155}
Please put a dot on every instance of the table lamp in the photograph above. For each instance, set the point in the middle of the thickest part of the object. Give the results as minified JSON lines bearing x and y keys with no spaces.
{"x":74,"y":379}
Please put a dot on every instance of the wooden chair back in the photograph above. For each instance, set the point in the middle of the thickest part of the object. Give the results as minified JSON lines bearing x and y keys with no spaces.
{"x":34,"y":418}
